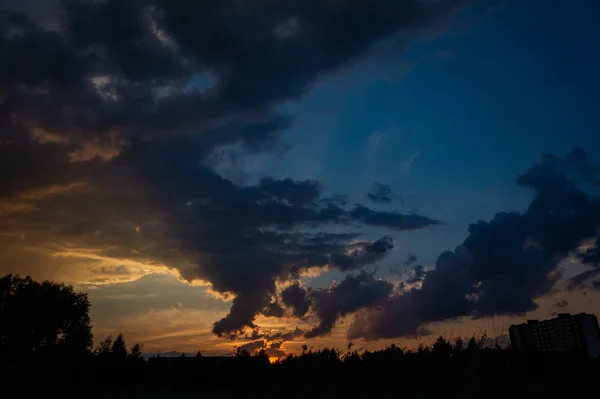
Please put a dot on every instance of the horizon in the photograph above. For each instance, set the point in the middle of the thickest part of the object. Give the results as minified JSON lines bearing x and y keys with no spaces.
{"x":278,"y":174}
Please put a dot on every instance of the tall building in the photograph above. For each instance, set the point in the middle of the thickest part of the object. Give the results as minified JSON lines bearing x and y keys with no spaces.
{"x":566,"y":332}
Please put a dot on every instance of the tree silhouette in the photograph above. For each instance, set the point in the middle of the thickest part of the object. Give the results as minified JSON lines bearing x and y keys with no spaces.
{"x":442,"y":347}
{"x":42,"y":318}
{"x":136,"y":352}
{"x":111,"y":352}
{"x":119,"y":349}
{"x":241,"y":352}
{"x":104,"y":348}
{"x":262,"y":353}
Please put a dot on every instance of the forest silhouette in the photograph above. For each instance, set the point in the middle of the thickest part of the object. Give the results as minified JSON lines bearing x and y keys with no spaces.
{"x":46,"y":350}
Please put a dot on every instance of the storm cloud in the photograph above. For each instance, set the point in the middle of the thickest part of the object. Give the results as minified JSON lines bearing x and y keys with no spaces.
{"x":504,"y":264}
{"x":115,"y":69}
{"x":355,"y":292}
{"x":296,"y":298}
{"x":109,"y":111}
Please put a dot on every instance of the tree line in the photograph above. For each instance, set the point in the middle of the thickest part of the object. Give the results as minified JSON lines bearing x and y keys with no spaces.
{"x":46,"y":338}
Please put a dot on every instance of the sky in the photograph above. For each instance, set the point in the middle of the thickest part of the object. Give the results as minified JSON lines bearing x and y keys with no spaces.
{"x":270,"y":174}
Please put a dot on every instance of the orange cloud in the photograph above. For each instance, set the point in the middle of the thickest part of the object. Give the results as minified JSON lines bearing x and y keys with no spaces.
{"x":44,"y":136}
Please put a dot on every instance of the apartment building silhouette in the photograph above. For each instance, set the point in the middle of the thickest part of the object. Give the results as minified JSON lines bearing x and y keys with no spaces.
{"x":566,"y":332}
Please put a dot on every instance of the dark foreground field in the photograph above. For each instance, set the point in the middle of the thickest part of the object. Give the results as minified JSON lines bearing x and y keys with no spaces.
{"x":465,"y":370}
{"x":46,"y":351}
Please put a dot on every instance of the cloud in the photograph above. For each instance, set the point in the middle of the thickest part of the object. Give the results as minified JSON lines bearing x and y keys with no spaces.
{"x":578,"y":280}
{"x":393,"y":220}
{"x":381,"y":194}
{"x":155,"y":292}
{"x":355,"y":292}
{"x":410,"y":260}
{"x":286,"y":336}
{"x":591,"y":256}
{"x":107,"y":121}
{"x":504,"y":264}
{"x":272,"y":344}
{"x":560,"y":303}
{"x":364,"y":253}
{"x":274,"y":309}
{"x":43,"y":12}
{"x":107,"y":41}
{"x":296,"y":298}
{"x":418,"y":275}
{"x":252,"y":346}
{"x":156,"y":203}
{"x":275,"y":350}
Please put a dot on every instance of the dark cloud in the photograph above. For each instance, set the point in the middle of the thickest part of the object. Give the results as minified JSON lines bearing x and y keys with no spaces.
{"x":394,"y":319}
{"x":42,"y":12}
{"x":578,"y":280}
{"x":285,"y":336}
{"x":361,"y":254}
{"x":271,"y":342}
{"x":391,"y":219}
{"x":249,"y":231}
{"x":274,"y":309}
{"x":243,"y":310}
{"x":381,"y":194}
{"x":158,"y":201}
{"x":353,"y":293}
{"x":296,"y":298}
{"x":504,"y":264}
{"x":410,"y":260}
{"x":275,"y":350}
{"x":560,"y":303}
{"x":136,"y":66}
{"x":290,"y":191}
{"x":51,"y":167}
{"x":418,"y":274}
{"x":252,"y":346}
{"x":250,"y":40}
{"x":109,"y":111}
{"x":591,"y":256}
